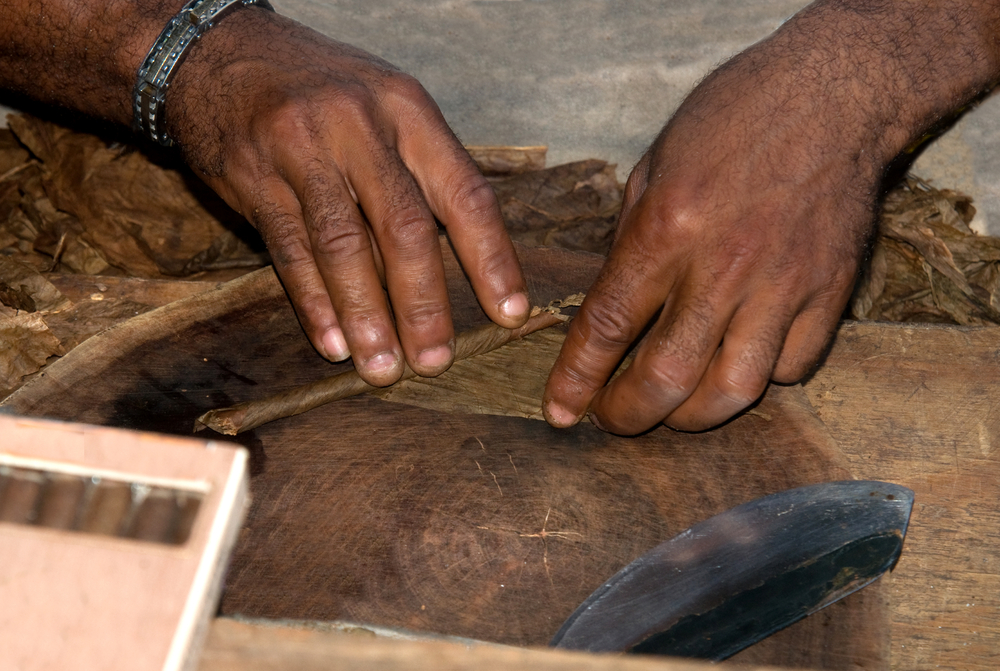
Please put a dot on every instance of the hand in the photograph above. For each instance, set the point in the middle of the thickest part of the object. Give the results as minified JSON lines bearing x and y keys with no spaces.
{"x":342,"y":163}
{"x":742,"y":227}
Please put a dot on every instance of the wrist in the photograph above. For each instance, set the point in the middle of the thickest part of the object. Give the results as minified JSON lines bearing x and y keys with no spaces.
{"x":168,"y":52}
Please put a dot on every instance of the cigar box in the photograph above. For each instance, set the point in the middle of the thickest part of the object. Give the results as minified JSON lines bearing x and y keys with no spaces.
{"x":113,"y":544}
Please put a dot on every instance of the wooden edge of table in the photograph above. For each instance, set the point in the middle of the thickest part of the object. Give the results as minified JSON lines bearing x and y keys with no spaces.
{"x":262,"y":646}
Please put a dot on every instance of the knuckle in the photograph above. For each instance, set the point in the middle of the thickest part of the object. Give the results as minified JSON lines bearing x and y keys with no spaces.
{"x":334,"y":225}
{"x":407,"y":86}
{"x":791,"y":369}
{"x":476,"y":200}
{"x":742,"y":383}
{"x":678,"y":214}
{"x":283,"y":237}
{"x":296,"y":117}
{"x":740,"y":252}
{"x":355,"y":106}
{"x":499,"y":262}
{"x":665,"y":377}
{"x":607,"y":328}
{"x":421,"y":315}
{"x":290,"y":120}
{"x":411,"y":230}
{"x":338,"y":237}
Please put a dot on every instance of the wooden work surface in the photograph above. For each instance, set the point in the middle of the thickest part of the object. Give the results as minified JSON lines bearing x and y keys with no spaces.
{"x":920,"y":406}
{"x":909,"y":405}
{"x":476,"y":525}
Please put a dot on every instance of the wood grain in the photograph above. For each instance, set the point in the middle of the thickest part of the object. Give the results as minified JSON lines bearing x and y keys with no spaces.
{"x":242,"y":646}
{"x":482,"y":526}
{"x":919,"y":405}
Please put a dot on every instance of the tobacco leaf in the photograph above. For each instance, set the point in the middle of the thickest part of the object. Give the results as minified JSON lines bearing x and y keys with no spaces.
{"x":12,"y":154}
{"x":100,"y":302}
{"x":26,"y":342}
{"x":927,"y":265}
{"x":507,"y":160}
{"x":573,"y":205}
{"x":507,"y":381}
{"x":144,"y":218}
{"x":25,"y":345}
{"x":468,"y":345}
{"x":30,"y":287}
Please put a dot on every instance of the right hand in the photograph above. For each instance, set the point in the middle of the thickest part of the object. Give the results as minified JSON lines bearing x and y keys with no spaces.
{"x":342,"y":163}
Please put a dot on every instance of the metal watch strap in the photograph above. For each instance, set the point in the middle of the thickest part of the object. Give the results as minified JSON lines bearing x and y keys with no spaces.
{"x":153,"y":77}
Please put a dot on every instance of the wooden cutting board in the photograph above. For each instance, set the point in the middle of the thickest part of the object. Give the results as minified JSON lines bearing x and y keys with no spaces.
{"x":475,"y":525}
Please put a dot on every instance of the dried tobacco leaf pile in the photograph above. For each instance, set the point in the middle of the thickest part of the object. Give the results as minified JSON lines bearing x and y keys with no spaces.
{"x":73,"y":204}
{"x":79,"y":205}
{"x":573,"y":205}
{"x":927,"y":265}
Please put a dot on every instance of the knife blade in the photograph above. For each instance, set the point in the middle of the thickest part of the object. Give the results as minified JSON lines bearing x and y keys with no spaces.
{"x":746,"y":573}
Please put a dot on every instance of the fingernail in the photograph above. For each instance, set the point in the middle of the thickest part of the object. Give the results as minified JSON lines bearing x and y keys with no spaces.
{"x":596,"y":422}
{"x":381,"y":363}
{"x":435,"y":357}
{"x":515,"y":305}
{"x":335,"y":345}
{"x":560,"y":416}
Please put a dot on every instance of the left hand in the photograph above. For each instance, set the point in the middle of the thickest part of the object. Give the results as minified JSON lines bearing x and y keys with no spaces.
{"x":743,"y":226}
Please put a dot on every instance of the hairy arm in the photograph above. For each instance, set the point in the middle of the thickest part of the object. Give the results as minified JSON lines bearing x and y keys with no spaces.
{"x":744,"y":223}
{"x":341,"y":161}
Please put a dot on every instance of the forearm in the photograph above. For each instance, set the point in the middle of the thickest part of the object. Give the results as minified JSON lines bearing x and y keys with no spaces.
{"x":79,"y":54}
{"x":896,"y":66}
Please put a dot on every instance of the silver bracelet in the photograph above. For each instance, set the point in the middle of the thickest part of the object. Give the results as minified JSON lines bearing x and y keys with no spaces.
{"x":153,"y":78}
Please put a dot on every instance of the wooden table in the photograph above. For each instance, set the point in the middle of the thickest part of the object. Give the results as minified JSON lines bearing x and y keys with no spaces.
{"x":920,"y":406}
{"x":908,"y":404}
{"x":915,"y":405}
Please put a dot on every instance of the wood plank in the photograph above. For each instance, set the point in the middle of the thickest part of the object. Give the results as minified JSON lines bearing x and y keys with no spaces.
{"x":241,"y":646}
{"x":402,"y":516}
{"x":918,"y":405}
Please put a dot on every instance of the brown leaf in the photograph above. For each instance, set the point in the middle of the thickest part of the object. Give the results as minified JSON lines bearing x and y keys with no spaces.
{"x":936,"y":268}
{"x":870,"y":286}
{"x":573,"y":205}
{"x":12,"y":154}
{"x":506,"y":160}
{"x":144,"y":218}
{"x":29,"y":283}
{"x":25,"y":345}
{"x":16,"y":297}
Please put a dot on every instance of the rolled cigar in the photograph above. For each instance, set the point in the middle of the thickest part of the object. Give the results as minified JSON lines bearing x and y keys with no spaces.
{"x":21,"y":494}
{"x":107,"y":508}
{"x":245,"y":416}
{"x":60,"y":501}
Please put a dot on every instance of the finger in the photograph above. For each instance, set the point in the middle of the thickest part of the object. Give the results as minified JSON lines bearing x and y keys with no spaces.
{"x":668,"y":366}
{"x":408,"y":241}
{"x":635,"y":186}
{"x":740,"y":369}
{"x":466,"y":205}
{"x":780,"y":341}
{"x":343,"y":255}
{"x":602,"y":330}
{"x":629,"y":290}
{"x":276,"y":214}
{"x":809,"y":337}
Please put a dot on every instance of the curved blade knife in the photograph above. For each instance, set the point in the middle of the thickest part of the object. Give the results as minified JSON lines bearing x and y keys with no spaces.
{"x":742,"y":575}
